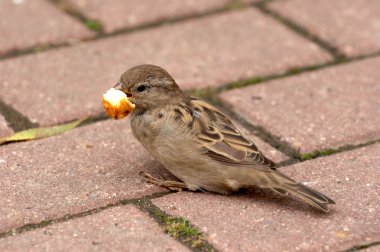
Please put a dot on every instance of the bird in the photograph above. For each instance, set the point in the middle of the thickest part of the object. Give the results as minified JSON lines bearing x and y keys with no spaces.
{"x":198,"y":143}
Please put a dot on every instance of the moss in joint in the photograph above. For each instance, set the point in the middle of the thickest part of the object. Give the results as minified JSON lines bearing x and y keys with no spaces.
{"x":235,"y":5}
{"x":177,"y":227}
{"x":244,"y":83}
{"x":318,"y":153}
{"x":203,"y":93}
{"x":94,"y":25}
{"x":181,"y":229}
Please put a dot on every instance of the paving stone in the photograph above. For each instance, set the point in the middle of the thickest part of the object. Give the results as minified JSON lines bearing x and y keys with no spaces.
{"x":374,"y":248}
{"x":79,"y":170}
{"x":27,"y":23}
{"x":205,"y":52}
{"x":133,"y":13}
{"x":328,"y":108}
{"x":4,"y":128}
{"x":263,"y":221}
{"x":117,"y":229}
{"x":353,"y":26}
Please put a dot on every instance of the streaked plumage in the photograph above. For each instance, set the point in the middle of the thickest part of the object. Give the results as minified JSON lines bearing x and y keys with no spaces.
{"x":197,"y":143}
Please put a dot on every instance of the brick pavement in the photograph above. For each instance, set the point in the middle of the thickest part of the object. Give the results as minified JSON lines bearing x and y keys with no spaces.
{"x":120,"y":228}
{"x":264,"y":221}
{"x":106,"y":11}
{"x":352,"y":26}
{"x":327,"y":108}
{"x":103,"y":61}
{"x":25,"y":24}
{"x":4,"y":128}
{"x":273,"y":66}
{"x":80,"y":170}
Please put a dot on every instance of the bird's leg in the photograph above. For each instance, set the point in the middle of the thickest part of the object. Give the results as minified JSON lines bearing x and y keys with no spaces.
{"x":171,"y":185}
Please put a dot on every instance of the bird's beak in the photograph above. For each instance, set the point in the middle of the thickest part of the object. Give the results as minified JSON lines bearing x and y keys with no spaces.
{"x":119,"y":86}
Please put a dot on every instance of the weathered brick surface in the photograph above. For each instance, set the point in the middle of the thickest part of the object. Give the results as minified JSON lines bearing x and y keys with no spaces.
{"x":4,"y":129}
{"x":97,"y":165}
{"x":323,"y":109}
{"x":374,"y":248}
{"x":116,"y":229}
{"x":26,"y":23}
{"x":262,"y":221}
{"x":119,"y":14}
{"x":63,"y":84}
{"x":351,"y":25}
{"x":79,"y":170}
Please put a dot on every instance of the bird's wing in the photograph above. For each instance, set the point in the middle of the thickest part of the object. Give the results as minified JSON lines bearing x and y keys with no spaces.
{"x":220,"y":138}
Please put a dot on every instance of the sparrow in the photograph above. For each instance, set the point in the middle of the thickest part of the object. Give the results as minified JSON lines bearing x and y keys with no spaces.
{"x":197,"y":143}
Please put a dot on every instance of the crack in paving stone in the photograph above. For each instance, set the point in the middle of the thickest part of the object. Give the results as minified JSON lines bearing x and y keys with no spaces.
{"x":42,"y":224}
{"x":361,"y":247}
{"x":299,"y":29}
{"x":177,"y":227}
{"x":16,"y":121}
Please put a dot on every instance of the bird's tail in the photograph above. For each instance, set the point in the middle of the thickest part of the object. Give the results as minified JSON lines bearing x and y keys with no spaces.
{"x":282,"y":184}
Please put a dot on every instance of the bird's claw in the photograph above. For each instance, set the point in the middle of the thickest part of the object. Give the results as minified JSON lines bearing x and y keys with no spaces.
{"x":171,"y":185}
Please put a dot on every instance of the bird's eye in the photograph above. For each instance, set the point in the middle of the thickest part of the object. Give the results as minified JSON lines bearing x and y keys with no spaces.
{"x":141,"y":88}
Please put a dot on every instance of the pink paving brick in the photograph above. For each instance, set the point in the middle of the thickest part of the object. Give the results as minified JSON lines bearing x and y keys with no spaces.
{"x":4,"y":128}
{"x":374,"y":248}
{"x":353,"y":26}
{"x":119,"y":14}
{"x":114,"y":174}
{"x":28,"y":23}
{"x":68,"y":83}
{"x":328,"y":108}
{"x":263,"y":221}
{"x":83,"y":169}
{"x":116,"y":229}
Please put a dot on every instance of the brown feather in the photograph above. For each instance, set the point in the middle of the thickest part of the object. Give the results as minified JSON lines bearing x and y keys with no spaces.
{"x":216,"y":128}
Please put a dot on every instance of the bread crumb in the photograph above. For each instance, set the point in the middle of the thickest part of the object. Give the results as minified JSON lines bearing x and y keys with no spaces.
{"x":116,"y":104}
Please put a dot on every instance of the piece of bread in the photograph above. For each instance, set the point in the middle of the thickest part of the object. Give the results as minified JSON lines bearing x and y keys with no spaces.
{"x":116,"y":104}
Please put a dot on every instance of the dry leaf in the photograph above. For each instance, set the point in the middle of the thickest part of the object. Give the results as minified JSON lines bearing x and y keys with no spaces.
{"x":36,"y":133}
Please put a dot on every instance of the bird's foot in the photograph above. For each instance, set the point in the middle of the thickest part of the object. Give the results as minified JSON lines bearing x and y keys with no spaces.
{"x":171,"y":185}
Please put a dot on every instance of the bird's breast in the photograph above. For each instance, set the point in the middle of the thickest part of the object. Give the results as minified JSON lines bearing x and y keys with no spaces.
{"x":160,"y":134}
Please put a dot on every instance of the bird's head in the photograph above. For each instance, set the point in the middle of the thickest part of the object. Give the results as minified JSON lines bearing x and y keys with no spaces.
{"x":149,"y":86}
